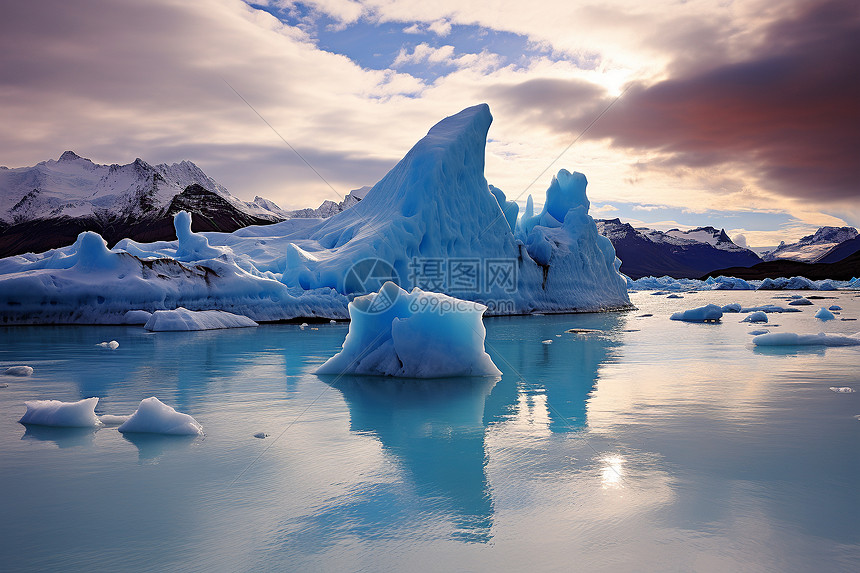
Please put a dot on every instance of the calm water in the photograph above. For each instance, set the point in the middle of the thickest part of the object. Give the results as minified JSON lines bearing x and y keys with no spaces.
{"x":652,"y":446}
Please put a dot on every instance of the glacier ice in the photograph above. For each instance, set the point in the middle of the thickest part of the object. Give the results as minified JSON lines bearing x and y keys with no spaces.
{"x":794,"y":339}
{"x":707,"y":313}
{"x":113,"y":419}
{"x":80,"y":414}
{"x":154,"y":417}
{"x":18,"y":371}
{"x":756,"y":316}
{"x":184,"y":319}
{"x":435,"y":205}
{"x":413,"y":335}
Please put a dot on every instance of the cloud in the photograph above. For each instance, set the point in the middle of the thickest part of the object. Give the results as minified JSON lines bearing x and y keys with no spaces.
{"x":440,"y":27}
{"x":784,"y":116}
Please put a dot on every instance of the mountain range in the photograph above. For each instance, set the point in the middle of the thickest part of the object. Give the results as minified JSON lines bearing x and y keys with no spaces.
{"x":47,"y":205}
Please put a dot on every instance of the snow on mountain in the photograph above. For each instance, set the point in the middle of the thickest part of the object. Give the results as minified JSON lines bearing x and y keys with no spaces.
{"x":431,"y":222}
{"x":329,"y":208}
{"x":813,"y":248}
{"x":680,"y":254}
{"x":74,"y":186}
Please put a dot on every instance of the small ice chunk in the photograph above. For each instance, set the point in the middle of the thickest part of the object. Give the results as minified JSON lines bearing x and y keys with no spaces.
{"x":796,"y":296}
{"x":757,"y":332}
{"x":794,"y":339}
{"x":800,"y":302}
{"x":731,"y":307}
{"x":332,"y":321}
{"x":303,"y":325}
{"x":113,"y":344}
{"x":842,"y":389}
{"x":80,"y":414}
{"x":261,"y":435}
{"x":674,"y":296}
{"x":18,"y":371}
{"x":546,"y":341}
{"x":582,"y":331}
{"x":154,"y":417}
{"x":835,"y":307}
{"x":757,"y":316}
{"x":824,"y":314}
{"x":113,"y":420}
{"x":707,"y":313}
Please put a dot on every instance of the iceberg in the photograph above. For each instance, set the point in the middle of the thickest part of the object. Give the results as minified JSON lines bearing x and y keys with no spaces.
{"x":413,"y":335}
{"x":184,"y":319}
{"x":432,"y":222}
{"x":794,"y":339}
{"x":80,"y":414}
{"x":757,"y":316}
{"x":707,"y":313}
{"x":154,"y":417}
{"x":800,"y":302}
{"x":112,"y":345}
{"x":18,"y":371}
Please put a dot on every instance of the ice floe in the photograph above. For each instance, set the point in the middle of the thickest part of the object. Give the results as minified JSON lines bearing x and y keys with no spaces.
{"x":80,"y":414}
{"x":18,"y":371}
{"x":707,"y":313}
{"x":414,"y":335}
{"x":154,"y":417}
{"x":794,"y":339}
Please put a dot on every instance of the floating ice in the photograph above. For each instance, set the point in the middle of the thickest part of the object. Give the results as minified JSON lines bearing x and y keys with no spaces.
{"x":261,"y":435}
{"x":707,"y":313}
{"x":184,"y":319}
{"x":835,"y":307}
{"x":80,"y":414}
{"x":793,"y":339}
{"x":546,"y":341}
{"x":757,"y":332}
{"x":842,"y":389}
{"x":154,"y":417}
{"x":731,"y":307}
{"x":757,"y":316}
{"x":414,"y":335}
{"x":674,"y":296}
{"x":18,"y":371}
{"x":113,"y":344}
{"x":824,"y":314}
{"x":800,"y":302}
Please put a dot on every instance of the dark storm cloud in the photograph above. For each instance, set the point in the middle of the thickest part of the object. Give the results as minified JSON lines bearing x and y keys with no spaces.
{"x":789,"y":112}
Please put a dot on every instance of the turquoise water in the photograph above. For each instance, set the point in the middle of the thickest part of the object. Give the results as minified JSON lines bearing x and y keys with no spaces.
{"x":653,"y":445}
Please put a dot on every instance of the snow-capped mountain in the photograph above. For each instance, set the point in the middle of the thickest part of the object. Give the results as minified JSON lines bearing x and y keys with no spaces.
{"x":47,"y":205}
{"x":813,"y":248}
{"x":680,"y":254}
{"x":329,"y":208}
{"x":74,"y":186}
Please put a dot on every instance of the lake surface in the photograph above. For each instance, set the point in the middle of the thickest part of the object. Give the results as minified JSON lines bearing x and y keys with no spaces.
{"x":652,"y":445}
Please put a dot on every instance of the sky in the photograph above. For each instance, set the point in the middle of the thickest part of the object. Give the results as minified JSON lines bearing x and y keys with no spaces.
{"x":741,"y":114}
